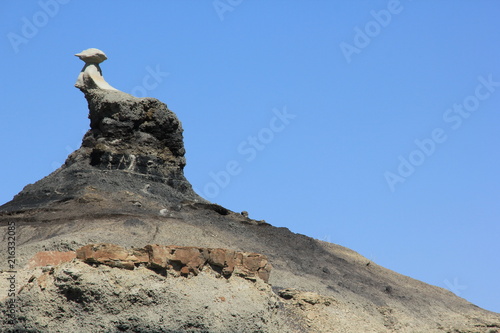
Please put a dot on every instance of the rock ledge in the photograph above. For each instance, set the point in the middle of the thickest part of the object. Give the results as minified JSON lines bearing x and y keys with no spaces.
{"x":166,"y":260}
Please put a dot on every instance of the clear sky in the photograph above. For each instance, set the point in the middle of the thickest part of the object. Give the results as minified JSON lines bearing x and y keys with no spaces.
{"x":370,"y":124}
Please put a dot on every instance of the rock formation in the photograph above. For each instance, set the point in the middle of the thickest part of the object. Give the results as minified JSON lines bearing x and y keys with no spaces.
{"x":91,"y":75}
{"x":134,"y":145}
{"x":81,"y":260}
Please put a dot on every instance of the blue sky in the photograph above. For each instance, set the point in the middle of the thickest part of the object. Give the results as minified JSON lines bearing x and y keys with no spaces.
{"x":370,"y":124}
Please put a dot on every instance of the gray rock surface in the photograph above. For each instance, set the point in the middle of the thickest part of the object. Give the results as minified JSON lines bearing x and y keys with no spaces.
{"x":77,"y":297}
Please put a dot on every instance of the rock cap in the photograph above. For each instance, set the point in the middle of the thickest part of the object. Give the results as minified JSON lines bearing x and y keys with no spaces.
{"x":92,"y":56}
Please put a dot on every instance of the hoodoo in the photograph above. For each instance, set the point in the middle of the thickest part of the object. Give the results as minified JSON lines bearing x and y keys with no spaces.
{"x":133,"y":144}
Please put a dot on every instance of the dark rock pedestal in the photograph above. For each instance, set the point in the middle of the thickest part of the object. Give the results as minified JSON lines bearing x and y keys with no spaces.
{"x":133,"y":145}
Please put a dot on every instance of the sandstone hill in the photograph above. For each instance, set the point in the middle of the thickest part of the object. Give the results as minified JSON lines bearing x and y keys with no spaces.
{"x":116,"y":240}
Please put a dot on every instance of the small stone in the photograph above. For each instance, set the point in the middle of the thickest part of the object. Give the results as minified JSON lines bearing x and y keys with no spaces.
{"x":92,"y":56}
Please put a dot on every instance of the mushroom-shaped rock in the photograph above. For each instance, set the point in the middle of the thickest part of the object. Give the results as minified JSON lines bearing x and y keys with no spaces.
{"x":92,"y":56}
{"x":91,"y":75}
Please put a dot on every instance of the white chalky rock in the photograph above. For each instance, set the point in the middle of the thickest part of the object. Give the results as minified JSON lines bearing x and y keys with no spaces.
{"x":91,"y":75}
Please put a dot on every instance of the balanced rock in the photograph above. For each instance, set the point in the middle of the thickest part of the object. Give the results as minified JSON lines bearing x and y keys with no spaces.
{"x":92,"y":56}
{"x":91,"y":75}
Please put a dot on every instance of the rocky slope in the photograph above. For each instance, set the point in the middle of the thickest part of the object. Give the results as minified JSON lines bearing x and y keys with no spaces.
{"x":125,"y":186}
